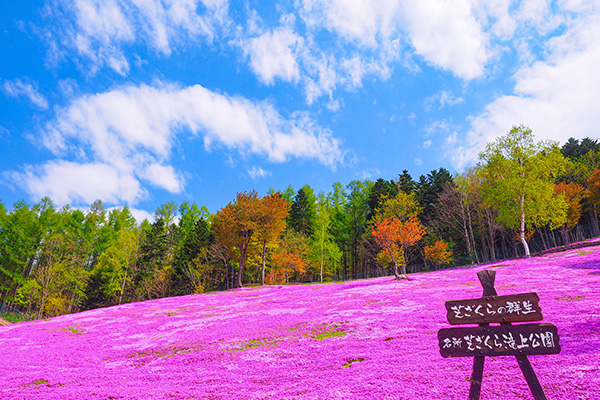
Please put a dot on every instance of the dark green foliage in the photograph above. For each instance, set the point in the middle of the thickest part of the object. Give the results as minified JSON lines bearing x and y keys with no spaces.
{"x":575,"y":149}
{"x":191,"y":243}
{"x":406,"y":183}
{"x":428,"y":190}
{"x":380,"y":191}
{"x":153,"y":255}
{"x":303,"y":212}
{"x":357,"y":209}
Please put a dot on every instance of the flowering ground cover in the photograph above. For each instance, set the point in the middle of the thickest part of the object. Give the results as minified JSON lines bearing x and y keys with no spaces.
{"x":368,"y":339}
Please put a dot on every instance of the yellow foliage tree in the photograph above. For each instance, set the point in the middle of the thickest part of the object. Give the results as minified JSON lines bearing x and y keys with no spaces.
{"x":438,"y":254}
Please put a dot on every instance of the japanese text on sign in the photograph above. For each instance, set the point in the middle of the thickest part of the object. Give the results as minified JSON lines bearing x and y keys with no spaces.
{"x":514,"y":308}
{"x":499,"y":340}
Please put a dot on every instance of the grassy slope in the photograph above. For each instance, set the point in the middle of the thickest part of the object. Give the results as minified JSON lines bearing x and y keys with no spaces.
{"x":369,"y":339}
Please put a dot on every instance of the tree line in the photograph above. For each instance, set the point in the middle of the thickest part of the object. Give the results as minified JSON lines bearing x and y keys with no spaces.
{"x":522,"y":196}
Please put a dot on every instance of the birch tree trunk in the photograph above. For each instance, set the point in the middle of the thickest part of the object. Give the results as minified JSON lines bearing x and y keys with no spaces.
{"x":523,"y":241}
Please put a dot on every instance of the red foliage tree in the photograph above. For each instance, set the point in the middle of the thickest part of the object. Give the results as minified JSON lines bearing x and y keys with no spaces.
{"x":395,"y":237}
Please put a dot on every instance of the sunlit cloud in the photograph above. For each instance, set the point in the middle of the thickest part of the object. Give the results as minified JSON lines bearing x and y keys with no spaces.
{"x":126,"y":136}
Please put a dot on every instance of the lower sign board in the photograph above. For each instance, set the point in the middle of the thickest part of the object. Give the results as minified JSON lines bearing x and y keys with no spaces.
{"x":504,"y":340}
{"x":523,"y":307}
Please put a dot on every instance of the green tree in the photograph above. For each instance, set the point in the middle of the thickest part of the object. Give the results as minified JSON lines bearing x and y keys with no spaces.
{"x":357,"y":209}
{"x":153,"y":265}
{"x":575,"y":148}
{"x":121,"y":218}
{"x":97,"y":231}
{"x":192,"y":234}
{"x":406,"y":183}
{"x":324,"y":243}
{"x":18,"y":248}
{"x":428,"y":190}
{"x":116,"y":265}
{"x":519,"y":177}
{"x":339,"y":225}
{"x":58,"y":282}
{"x":24,"y":230}
{"x":302,"y":211}
{"x":401,"y":206}
{"x":380,"y":192}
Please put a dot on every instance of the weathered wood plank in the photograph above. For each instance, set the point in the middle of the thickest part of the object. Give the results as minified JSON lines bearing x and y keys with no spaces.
{"x":522,"y":307}
{"x":504,"y":340}
{"x":531,"y":378}
{"x":487,"y":277}
{"x":476,"y":378}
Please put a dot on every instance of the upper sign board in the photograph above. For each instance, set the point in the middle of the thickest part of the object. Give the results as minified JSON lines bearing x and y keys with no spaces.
{"x":521,"y":307}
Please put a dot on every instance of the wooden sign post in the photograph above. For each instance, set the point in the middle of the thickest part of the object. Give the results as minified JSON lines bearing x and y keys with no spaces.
{"x":504,"y":340}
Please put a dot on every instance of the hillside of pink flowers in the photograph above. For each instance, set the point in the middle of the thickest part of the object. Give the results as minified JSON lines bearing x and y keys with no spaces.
{"x":368,"y":339}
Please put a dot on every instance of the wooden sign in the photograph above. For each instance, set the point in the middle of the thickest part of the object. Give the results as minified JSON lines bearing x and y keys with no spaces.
{"x":514,"y":308}
{"x":506,"y":340}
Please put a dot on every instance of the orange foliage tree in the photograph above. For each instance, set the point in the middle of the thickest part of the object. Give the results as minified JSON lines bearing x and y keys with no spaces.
{"x":438,"y":254}
{"x":593,"y":192}
{"x":395,"y":236}
{"x":573,"y":194}
{"x":290,"y":258}
{"x":235,"y":224}
{"x":272,"y":212}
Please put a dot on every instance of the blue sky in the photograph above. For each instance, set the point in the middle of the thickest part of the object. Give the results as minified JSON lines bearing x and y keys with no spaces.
{"x":138,"y":102}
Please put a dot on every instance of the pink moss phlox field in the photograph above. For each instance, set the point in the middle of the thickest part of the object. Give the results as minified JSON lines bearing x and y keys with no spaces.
{"x":368,"y":339}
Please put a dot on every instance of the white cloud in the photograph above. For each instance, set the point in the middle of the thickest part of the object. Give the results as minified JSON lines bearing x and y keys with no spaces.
{"x":497,"y":14}
{"x":427,"y":144}
{"x":272,"y":55}
{"x":580,"y":6}
{"x":126,"y":136}
{"x":370,"y":38}
{"x":100,"y":30}
{"x":418,"y":162}
{"x":556,"y":98}
{"x":448,"y":35}
{"x":80,"y":183}
{"x":140,"y":215}
{"x":164,"y":177}
{"x":18,"y":88}
{"x":537,"y":13}
{"x":354,"y":69}
{"x":257,"y":172}
{"x":362,"y":21}
{"x":341,"y":41}
{"x":443,"y":99}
